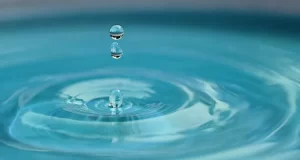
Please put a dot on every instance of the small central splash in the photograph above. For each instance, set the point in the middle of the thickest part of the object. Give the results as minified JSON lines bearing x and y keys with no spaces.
{"x":115,"y":98}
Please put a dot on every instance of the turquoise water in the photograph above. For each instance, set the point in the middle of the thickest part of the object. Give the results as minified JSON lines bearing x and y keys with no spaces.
{"x":195,"y":86}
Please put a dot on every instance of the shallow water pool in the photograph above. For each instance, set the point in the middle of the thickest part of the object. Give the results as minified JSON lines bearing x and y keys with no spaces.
{"x":195,"y":86}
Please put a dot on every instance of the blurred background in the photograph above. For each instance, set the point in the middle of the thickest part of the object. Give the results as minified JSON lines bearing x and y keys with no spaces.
{"x":23,"y":8}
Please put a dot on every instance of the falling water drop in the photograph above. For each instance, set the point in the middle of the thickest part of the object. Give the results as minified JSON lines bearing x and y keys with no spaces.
{"x":116,"y":98}
{"x":116,"y":50}
{"x":116,"y":32}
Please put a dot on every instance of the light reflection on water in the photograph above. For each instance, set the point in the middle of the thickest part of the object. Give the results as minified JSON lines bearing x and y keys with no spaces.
{"x":189,"y":93}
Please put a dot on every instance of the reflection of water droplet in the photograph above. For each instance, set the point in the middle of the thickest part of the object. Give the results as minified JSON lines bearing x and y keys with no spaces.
{"x":116,"y":50}
{"x":116,"y":32}
{"x":116,"y":98}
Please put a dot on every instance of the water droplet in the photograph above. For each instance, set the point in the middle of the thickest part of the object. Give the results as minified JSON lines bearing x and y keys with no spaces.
{"x":116,"y":50}
{"x":116,"y":98}
{"x":116,"y":32}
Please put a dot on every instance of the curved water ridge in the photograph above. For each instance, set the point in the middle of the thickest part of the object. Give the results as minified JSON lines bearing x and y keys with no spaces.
{"x":80,"y":111}
{"x":71,"y":113}
{"x":183,"y":99}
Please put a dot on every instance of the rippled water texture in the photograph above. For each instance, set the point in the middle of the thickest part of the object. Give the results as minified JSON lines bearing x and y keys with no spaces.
{"x":191,"y":90}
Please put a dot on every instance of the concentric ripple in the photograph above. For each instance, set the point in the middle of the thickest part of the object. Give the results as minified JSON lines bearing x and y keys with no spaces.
{"x":182,"y":99}
{"x":74,"y":110}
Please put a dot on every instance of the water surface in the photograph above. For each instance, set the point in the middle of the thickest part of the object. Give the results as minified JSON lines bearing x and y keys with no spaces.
{"x":195,"y":85}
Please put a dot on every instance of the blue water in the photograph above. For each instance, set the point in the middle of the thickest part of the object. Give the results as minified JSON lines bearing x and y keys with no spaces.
{"x":195,"y":86}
